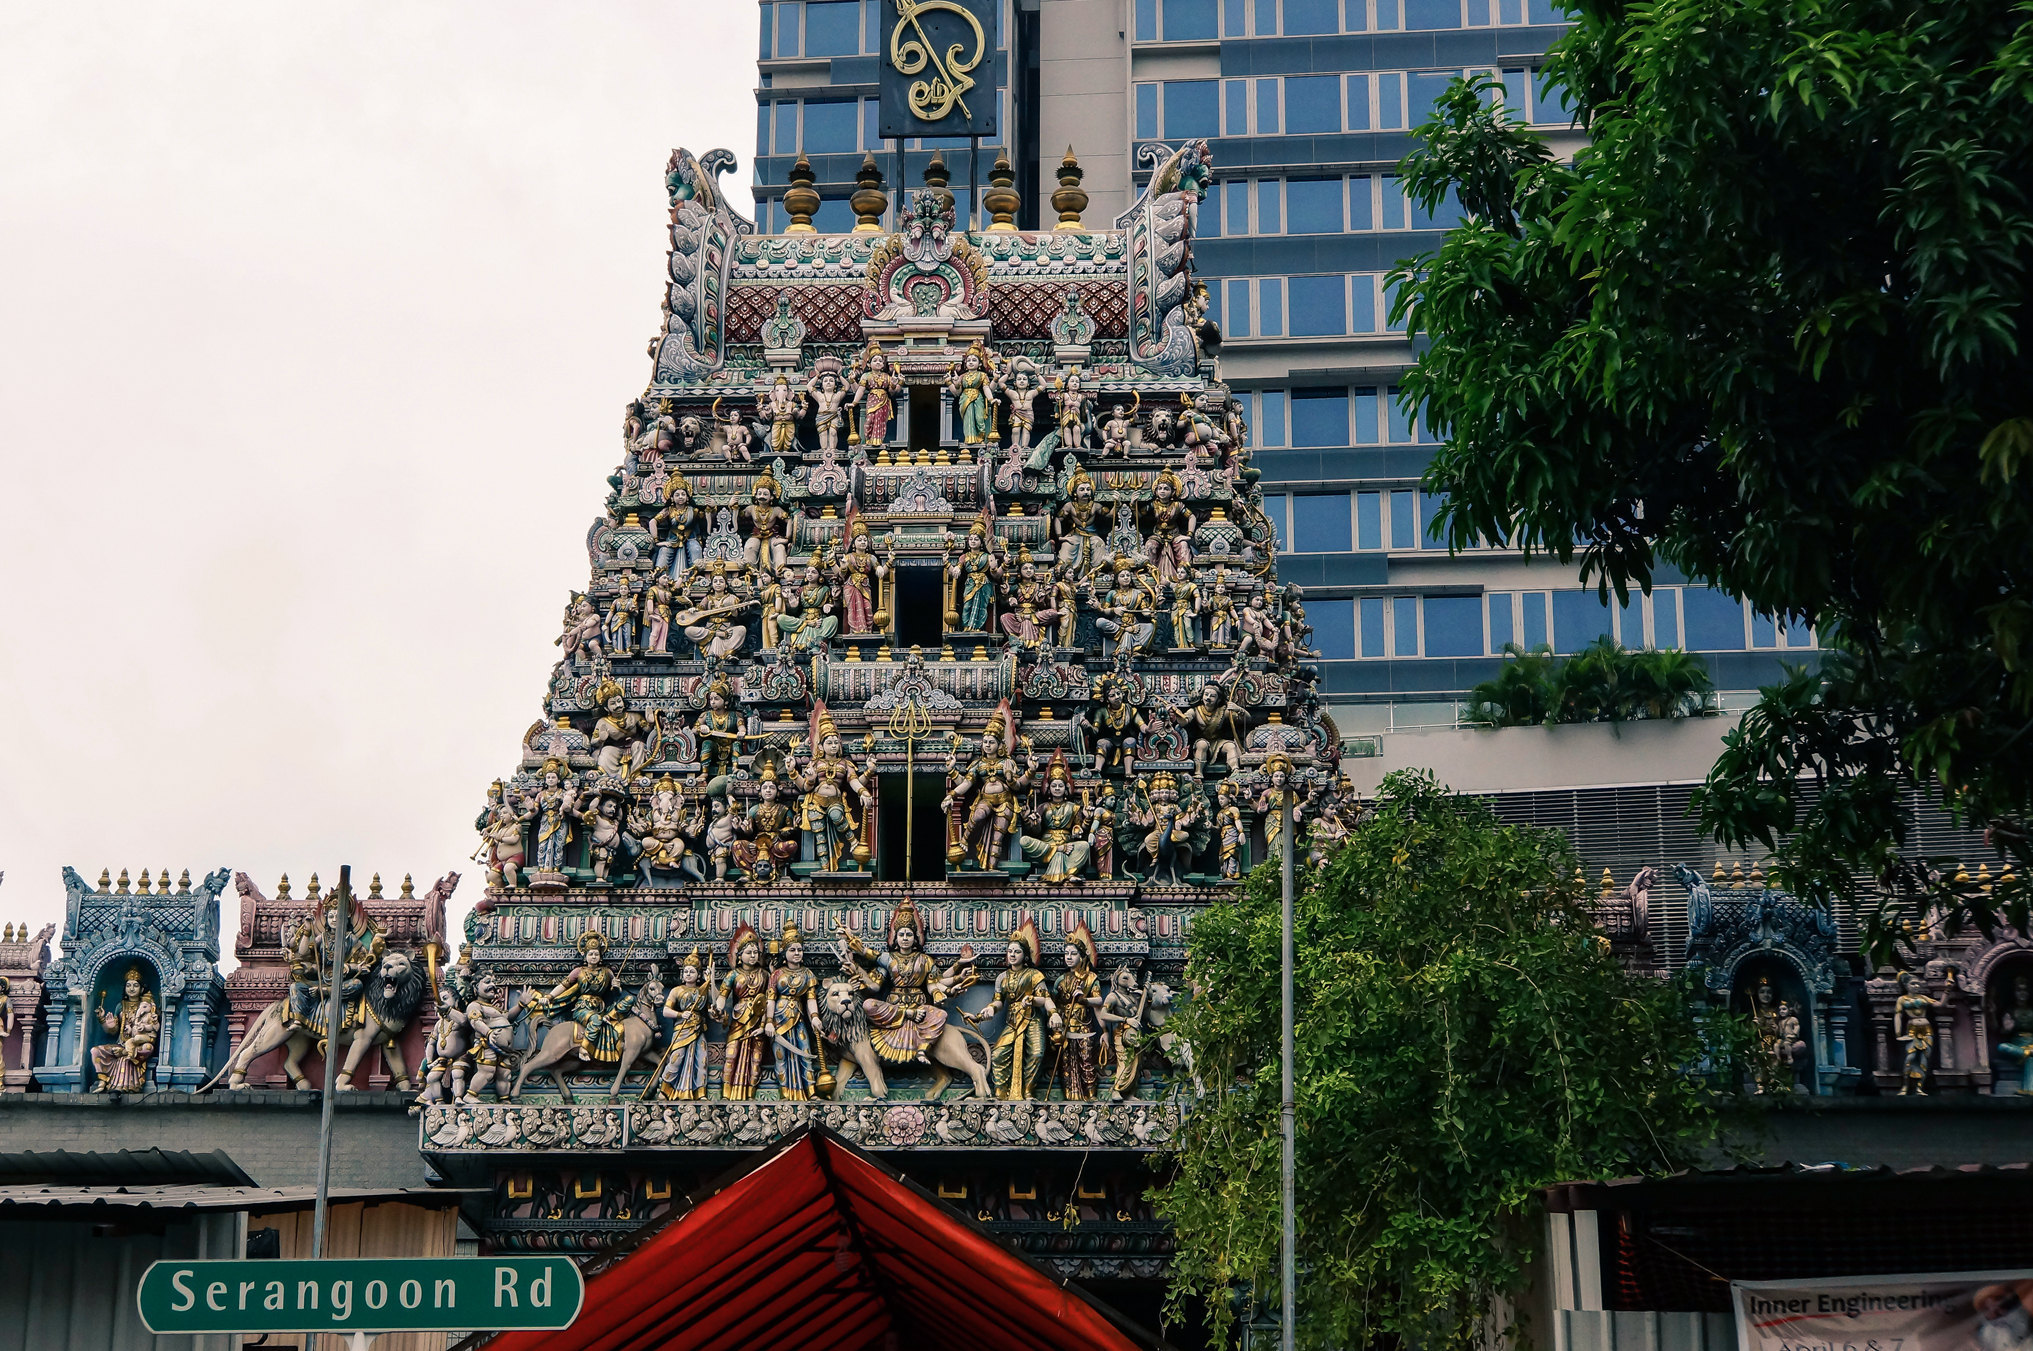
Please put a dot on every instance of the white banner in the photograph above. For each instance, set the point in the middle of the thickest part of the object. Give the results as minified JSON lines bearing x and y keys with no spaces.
{"x":1942,"y":1311}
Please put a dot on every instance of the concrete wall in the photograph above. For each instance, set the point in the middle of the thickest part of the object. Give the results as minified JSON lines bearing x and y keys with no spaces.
{"x":272,"y":1136}
{"x":1083,"y":84}
{"x":1587,"y":755}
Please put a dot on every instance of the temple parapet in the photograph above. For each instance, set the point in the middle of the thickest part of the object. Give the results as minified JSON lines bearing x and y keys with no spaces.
{"x":136,"y":1002}
{"x":24,"y":956}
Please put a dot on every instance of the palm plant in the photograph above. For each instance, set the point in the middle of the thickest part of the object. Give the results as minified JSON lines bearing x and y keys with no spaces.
{"x":1523,"y":693}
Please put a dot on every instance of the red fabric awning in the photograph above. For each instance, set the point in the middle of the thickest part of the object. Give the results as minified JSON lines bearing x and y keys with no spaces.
{"x":821,"y":1247}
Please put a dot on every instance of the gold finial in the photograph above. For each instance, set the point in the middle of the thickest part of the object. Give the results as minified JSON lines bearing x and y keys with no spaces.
{"x":1984,"y":876}
{"x":282,"y":888}
{"x":1757,"y":874}
{"x":408,"y":888}
{"x":1717,"y":875}
{"x":801,"y":198}
{"x":105,"y":880}
{"x":936,"y":176}
{"x":162,"y":882}
{"x":141,"y":887}
{"x":1002,"y":198}
{"x":1961,"y":874}
{"x":374,"y":888}
{"x":123,"y":883}
{"x":7,"y":935}
{"x":869,"y":200}
{"x":183,"y":883}
{"x":312,"y":890}
{"x":1070,"y":199}
{"x":1736,"y":873}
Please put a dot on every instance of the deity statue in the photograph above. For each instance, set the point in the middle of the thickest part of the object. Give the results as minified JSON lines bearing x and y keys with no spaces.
{"x":875,"y":389}
{"x":1066,"y":604}
{"x":668,"y":830}
{"x":556,"y":802}
{"x":723,"y":836}
{"x":1168,"y":528}
{"x":781,"y":407}
{"x":658,"y":599}
{"x":1060,"y":846}
{"x":814,"y":622}
{"x":1198,"y":436}
{"x":825,"y":776}
{"x":1028,"y":609}
{"x":1216,"y":726}
{"x":1020,"y":386}
{"x":904,"y":1025}
{"x":862,"y":578}
{"x":830,"y":395}
{"x":619,"y":629}
{"x":718,"y":729}
{"x":775,"y":599}
{"x":1101,"y":827}
{"x":1077,"y":995}
{"x":1778,"y":1045}
{"x":794,"y":1020}
{"x":1224,"y":625}
{"x":972,"y":579}
{"x":1117,"y":431}
{"x":771,"y":833}
{"x":445,"y":1051}
{"x":681,"y":1074}
{"x":592,"y":991}
{"x":710,"y":624}
{"x":735,"y":435}
{"x":1024,"y":996}
{"x":742,"y":1004}
{"x":1118,"y":726}
{"x":1913,"y":1027}
{"x":1231,"y":830}
{"x":987,"y":788}
{"x":1169,"y":830}
{"x":1262,"y":634}
{"x":1126,"y":612}
{"x":1072,"y":411}
{"x":678,"y":531}
{"x":492,"y":1034}
{"x":134,"y":1025}
{"x":1080,"y":526}
{"x":501,"y":826}
{"x":766,"y":524}
{"x":583,"y":627}
{"x":2017,"y":1024}
{"x":1278,"y":790}
{"x":609,"y":847}
{"x":973,"y":385}
{"x":623,"y":742}
{"x":1185,"y":611}
{"x":309,"y":946}
{"x":1121,"y":1022}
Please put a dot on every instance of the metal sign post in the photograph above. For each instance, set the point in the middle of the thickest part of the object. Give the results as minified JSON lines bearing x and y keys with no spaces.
{"x":335,"y":1012}
{"x":1287,"y":1108}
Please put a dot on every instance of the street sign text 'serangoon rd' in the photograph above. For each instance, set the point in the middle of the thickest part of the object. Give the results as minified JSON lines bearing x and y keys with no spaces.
{"x":389,"y":1294}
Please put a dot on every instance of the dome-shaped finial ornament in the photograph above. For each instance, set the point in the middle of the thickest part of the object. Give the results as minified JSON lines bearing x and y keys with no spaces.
{"x":936,"y":178}
{"x":1002,"y":198}
{"x":1070,"y":199}
{"x":869,"y":200}
{"x":801,"y":198}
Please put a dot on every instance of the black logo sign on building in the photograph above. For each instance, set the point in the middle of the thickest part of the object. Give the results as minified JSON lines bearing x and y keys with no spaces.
{"x":938,"y":68}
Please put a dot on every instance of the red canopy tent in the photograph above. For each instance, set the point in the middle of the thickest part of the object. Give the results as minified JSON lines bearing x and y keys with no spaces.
{"x":821,"y":1247}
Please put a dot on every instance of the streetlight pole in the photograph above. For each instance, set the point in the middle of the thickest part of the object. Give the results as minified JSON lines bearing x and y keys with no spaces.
{"x":335,"y":1012}
{"x":1288,"y":1318}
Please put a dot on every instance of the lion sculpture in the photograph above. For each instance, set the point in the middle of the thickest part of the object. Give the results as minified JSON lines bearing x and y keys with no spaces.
{"x":390,"y":1003}
{"x":844,"y":1022}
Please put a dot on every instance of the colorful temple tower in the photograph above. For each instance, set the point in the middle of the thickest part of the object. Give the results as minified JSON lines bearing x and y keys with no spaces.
{"x":931,"y":673}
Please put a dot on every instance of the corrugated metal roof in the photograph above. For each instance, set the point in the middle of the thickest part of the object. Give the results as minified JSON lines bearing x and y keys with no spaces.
{"x":203,"y":1198}
{"x":89,"y":1168}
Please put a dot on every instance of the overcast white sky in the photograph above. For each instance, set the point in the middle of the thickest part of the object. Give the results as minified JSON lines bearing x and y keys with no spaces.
{"x":316,"y":326}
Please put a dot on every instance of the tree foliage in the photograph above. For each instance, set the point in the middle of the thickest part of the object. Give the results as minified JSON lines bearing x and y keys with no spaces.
{"x":1767,"y":328}
{"x":1604,"y":682}
{"x":1463,"y":1038}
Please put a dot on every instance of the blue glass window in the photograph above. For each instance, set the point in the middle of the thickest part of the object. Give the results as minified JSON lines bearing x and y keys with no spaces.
{"x":1267,"y":18}
{"x":1333,"y":628}
{"x":1513,"y":12}
{"x":1319,"y":305}
{"x":1715,"y":622}
{"x":1631,"y":624}
{"x":834,"y":216}
{"x":1517,"y":95}
{"x":1214,"y":303}
{"x":1549,"y":100}
{"x":1320,"y":523}
{"x":1312,"y":103}
{"x":871,"y":124}
{"x":1358,"y":102}
{"x":1390,"y":101}
{"x":1192,"y":108}
{"x":1319,"y":416}
{"x":1313,"y":206}
{"x":1429,"y":515}
{"x":1445,"y":218}
{"x":1235,"y":116}
{"x":1405,"y":626}
{"x":1535,"y":619}
{"x":787,"y":128}
{"x":1400,"y":422}
{"x":1394,"y":202}
{"x":1231,"y":19}
{"x":1361,"y":214}
{"x":763,"y":47}
{"x":1271,"y":308}
{"x":1268,"y":219}
{"x":1235,"y":209}
{"x":1309,"y":17}
{"x":1454,"y":626}
{"x":1579,"y":618}
{"x":1189,"y":20}
{"x":1267,"y":107}
{"x":1432,"y":13}
{"x":1237,"y":323}
{"x":1362,"y":286}
{"x":1665,"y":619}
{"x":1500,"y":631}
{"x":787,"y":29}
{"x":1799,"y":633}
{"x":1274,"y":507}
{"x":1424,"y":93}
{"x":1404,"y":520}
{"x":1764,"y":632}
{"x":762,"y":128}
{"x":1147,"y":20}
{"x":1147,"y":112}
{"x":1273,"y":428}
{"x":871,"y":25}
{"x":1372,"y":608}
{"x":1365,"y":417}
{"x":830,"y":126}
{"x":833,"y":28}
{"x":1369,"y":521}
